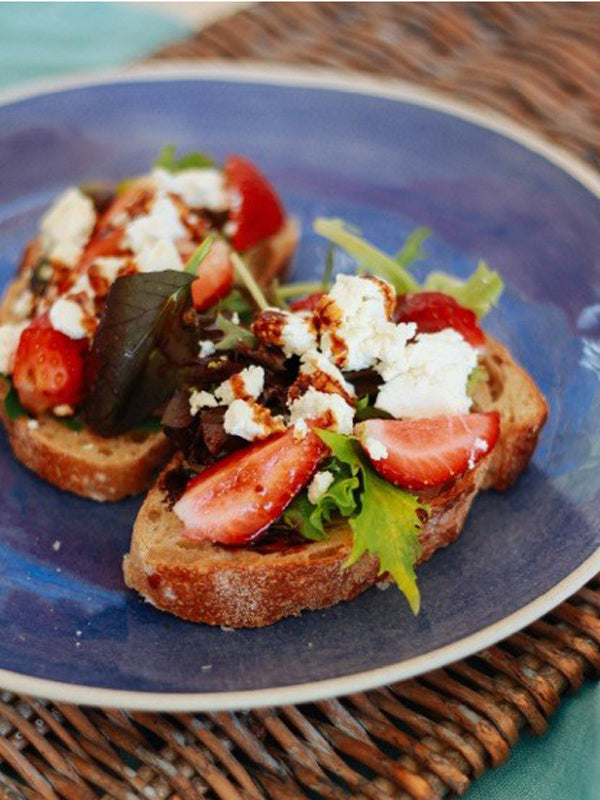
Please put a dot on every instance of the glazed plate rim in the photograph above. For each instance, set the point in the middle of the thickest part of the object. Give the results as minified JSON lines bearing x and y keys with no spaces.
{"x":352,"y":83}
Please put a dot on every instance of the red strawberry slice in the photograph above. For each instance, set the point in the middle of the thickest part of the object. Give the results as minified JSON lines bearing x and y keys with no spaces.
{"x":238,"y":497}
{"x":434,"y":311}
{"x":256,"y":211}
{"x":49,"y":367}
{"x":422,"y":453}
{"x":308,"y":303}
{"x":215,"y":277}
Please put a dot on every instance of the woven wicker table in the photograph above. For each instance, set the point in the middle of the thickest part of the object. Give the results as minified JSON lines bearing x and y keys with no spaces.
{"x":431,"y":736}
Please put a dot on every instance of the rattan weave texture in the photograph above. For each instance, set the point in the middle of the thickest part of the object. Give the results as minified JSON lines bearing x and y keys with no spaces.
{"x":538,"y":63}
{"x":421,"y":739}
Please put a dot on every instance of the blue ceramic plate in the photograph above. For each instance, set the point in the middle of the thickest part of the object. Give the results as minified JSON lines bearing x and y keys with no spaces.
{"x":387,"y":158}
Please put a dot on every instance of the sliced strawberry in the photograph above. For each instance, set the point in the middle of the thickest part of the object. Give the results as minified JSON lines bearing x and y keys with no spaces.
{"x":256,"y":211}
{"x":308,"y":303}
{"x":49,"y":367}
{"x":428,"y":452}
{"x":215,"y":277}
{"x":238,"y":497}
{"x":434,"y":311}
{"x":107,"y":244}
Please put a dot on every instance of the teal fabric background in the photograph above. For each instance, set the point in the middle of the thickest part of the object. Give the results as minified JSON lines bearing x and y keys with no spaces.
{"x":44,"y":39}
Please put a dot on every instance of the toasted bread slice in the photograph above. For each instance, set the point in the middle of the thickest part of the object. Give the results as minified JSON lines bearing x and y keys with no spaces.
{"x":243,"y":587}
{"x":80,"y":461}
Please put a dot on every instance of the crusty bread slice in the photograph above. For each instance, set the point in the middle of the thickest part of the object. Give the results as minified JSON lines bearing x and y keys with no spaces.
{"x":242,"y":587}
{"x":80,"y":461}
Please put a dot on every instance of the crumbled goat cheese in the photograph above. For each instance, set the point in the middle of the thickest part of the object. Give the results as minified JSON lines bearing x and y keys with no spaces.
{"x":23,"y":305}
{"x":319,"y":485}
{"x":109,"y":266}
{"x":300,"y":429}
{"x":352,"y":322}
{"x":66,"y":227}
{"x":159,"y":256}
{"x":162,"y":222}
{"x":81,"y":286}
{"x":250,"y":421}
{"x":376,"y":449}
{"x":297,"y":333}
{"x":198,"y":188}
{"x":434,"y":378}
{"x":67,"y":317}
{"x":206,"y":348}
{"x":10,"y":333}
{"x":201,"y":399}
{"x":312,"y":361}
{"x":247,"y":384}
{"x":314,"y":404}
{"x":33,"y":424}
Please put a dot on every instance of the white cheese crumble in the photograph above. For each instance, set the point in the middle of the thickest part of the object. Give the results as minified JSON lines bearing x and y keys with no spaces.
{"x":10,"y":333}
{"x":33,"y":424}
{"x":300,"y":429}
{"x":198,"y":188}
{"x":240,"y":420}
{"x":201,"y":399}
{"x":206,"y":348}
{"x":314,"y":404}
{"x":67,"y":317}
{"x":247,"y":384}
{"x":109,"y":266}
{"x":66,"y":227}
{"x":162,"y":222}
{"x":434,"y":378}
{"x":159,"y":256}
{"x":376,"y":449}
{"x":319,"y":485}
{"x":297,"y":333}
{"x":312,"y":361}
{"x":356,"y":318}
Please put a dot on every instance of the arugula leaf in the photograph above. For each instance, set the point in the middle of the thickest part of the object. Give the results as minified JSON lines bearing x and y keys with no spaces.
{"x":237,"y":303}
{"x":387,"y":525}
{"x":199,"y":255}
{"x":169,"y":161}
{"x":368,"y":257}
{"x":340,"y":499}
{"x":412,"y":249}
{"x":480,"y":292}
{"x":131,"y":375}
{"x":232,"y":334}
{"x":366,"y":411}
{"x":12,"y":404}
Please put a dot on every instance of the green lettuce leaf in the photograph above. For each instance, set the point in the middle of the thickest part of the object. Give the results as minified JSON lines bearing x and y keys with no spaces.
{"x":12,"y":404}
{"x":368,"y":257}
{"x":340,"y":499}
{"x":169,"y":161}
{"x":480,"y":292}
{"x":387,"y":525}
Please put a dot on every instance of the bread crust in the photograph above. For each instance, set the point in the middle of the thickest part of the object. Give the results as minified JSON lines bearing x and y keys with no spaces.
{"x":81,"y":461}
{"x":241,"y":587}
